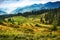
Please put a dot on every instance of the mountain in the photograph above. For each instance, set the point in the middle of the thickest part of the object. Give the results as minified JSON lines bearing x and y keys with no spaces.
{"x":2,"y":13}
{"x":28,"y":8}
{"x":51,"y":5}
{"x":35,"y":7}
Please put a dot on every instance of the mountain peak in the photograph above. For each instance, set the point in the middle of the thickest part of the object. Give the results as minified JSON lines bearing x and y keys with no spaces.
{"x":35,"y":7}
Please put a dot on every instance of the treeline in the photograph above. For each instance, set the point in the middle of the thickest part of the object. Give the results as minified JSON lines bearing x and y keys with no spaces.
{"x":52,"y":17}
{"x":25,"y":14}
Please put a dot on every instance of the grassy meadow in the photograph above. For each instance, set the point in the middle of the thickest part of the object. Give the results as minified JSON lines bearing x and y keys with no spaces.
{"x":31,"y":26}
{"x":27,"y":28}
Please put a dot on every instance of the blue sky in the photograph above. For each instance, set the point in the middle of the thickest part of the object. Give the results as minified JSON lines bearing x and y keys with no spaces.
{"x":10,"y":5}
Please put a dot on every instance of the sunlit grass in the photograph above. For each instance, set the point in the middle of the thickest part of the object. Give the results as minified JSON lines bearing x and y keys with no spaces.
{"x":27,"y":28}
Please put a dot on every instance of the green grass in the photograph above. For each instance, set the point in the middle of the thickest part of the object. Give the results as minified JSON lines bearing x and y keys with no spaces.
{"x":29,"y":36}
{"x":28,"y":28}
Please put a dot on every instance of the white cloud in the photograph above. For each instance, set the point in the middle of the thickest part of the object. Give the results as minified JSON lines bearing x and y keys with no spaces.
{"x":21,"y":3}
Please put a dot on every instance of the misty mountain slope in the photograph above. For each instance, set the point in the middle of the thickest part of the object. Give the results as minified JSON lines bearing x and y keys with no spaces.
{"x":52,"y":4}
{"x":3,"y":13}
{"x":34,"y":7}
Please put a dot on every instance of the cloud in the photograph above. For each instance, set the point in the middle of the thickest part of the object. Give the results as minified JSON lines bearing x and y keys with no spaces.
{"x":17,"y":3}
{"x":1,"y":1}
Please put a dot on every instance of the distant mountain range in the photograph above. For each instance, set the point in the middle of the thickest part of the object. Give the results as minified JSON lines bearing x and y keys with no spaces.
{"x":34,"y":7}
{"x":2,"y":13}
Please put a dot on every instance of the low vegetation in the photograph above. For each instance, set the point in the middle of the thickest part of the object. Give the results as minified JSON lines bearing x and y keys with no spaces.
{"x":44,"y":26}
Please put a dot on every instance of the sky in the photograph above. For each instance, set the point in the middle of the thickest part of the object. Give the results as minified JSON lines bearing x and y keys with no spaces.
{"x":10,"y":5}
